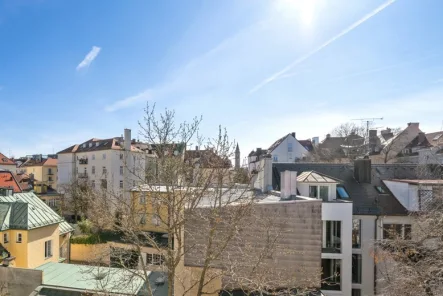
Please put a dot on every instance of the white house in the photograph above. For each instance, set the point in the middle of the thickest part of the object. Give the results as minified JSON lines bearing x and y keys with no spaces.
{"x":112,"y":164}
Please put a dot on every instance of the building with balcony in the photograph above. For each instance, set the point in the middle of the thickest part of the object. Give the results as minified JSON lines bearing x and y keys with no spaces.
{"x":43,"y":170}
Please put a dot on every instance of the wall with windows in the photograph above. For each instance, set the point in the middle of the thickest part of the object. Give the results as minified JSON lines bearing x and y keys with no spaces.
{"x":289,"y":150}
{"x":337,"y":247}
{"x":325,"y":191}
{"x":9,"y":240}
{"x":37,"y":255}
{"x":151,"y":213}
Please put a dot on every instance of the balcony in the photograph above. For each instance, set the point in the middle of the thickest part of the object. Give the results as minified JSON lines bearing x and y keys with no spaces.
{"x":82,"y":175}
{"x":83,"y":161}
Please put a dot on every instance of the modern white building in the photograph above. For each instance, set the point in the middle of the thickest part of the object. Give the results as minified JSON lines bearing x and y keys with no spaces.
{"x":114,"y":164}
{"x":382,"y":195}
{"x":337,"y":220}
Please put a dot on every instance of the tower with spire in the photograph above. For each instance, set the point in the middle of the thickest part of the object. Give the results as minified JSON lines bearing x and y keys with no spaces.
{"x":237,"y":157}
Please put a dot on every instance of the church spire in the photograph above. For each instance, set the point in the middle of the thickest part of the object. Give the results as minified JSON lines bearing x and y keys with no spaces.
{"x":237,"y":157}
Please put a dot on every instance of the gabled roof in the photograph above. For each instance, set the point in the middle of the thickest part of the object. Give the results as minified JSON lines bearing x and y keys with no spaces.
{"x":207,"y":159}
{"x":7,"y":180}
{"x":5,"y":161}
{"x":366,"y":199}
{"x":278,"y":142}
{"x":435,"y":139}
{"x":315,"y":177}
{"x":307,"y":144}
{"x":43,"y":162}
{"x":27,"y":211}
{"x":424,"y":143}
{"x":98,"y":145}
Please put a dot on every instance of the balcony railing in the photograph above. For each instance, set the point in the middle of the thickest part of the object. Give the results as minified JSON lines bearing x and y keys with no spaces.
{"x":83,"y":161}
{"x":82,"y":175}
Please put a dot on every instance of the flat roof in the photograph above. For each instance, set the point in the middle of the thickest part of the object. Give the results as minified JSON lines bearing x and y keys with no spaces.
{"x":91,"y":278}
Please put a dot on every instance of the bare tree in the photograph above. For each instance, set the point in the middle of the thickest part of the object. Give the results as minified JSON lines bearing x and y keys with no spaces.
{"x":175,"y":189}
{"x":411,"y":264}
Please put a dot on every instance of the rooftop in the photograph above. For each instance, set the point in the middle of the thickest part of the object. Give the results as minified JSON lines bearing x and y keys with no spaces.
{"x":315,"y":177}
{"x":5,"y":161}
{"x":7,"y":180}
{"x":97,"y":145}
{"x":418,"y":182}
{"x":94,"y":278}
{"x":27,"y":211}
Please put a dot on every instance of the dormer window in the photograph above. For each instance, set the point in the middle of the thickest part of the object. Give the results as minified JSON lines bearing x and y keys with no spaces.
{"x":320,"y":192}
{"x":84,"y":145}
{"x":90,"y":145}
{"x":380,"y":189}
{"x":97,"y":143}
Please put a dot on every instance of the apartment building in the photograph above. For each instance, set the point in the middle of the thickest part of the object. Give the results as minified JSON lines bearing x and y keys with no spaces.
{"x":382,"y":196}
{"x":44,"y":172}
{"x":113,"y":164}
{"x":31,"y":233}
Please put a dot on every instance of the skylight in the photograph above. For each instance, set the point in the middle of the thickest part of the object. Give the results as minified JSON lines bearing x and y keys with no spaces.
{"x":437,"y":137}
{"x":380,"y":189}
{"x":342,"y":193}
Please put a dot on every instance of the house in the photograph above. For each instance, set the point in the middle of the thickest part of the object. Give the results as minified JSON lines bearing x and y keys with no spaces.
{"x":340,"y":147}
{"x":7,"y":180}
{"x":285,"y":149}
{"x":30,"y":231}
{"x":6,"y":163}
{"x":113,"y":164}
{"x":375,"y":208}
{"x":42,"y":169}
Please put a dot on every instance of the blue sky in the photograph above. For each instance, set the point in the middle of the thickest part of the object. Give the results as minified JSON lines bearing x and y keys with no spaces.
{"x":260,"y":68}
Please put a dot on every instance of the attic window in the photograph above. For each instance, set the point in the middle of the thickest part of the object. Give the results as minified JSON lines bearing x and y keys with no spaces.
{"x":380,"y":190}
{"x":342,"y":193}
{"x":90,"y":145}
{"x":96,"y":144}
{"x":84,"y":145}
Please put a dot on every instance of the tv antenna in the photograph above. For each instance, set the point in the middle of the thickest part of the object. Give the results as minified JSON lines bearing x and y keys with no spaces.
{"x":368,"y":121}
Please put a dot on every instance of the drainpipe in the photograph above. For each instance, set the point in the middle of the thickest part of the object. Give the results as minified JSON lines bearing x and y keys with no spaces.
{"x":375,"y":265}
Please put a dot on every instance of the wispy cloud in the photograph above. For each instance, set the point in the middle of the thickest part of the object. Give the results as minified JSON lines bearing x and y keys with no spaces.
{"x":129,"y":101}
{"x":89,"y":58}
{"x":300,"y":60}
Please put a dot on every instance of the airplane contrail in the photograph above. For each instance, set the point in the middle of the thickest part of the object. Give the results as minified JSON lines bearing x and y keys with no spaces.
{"x":308,"y":55}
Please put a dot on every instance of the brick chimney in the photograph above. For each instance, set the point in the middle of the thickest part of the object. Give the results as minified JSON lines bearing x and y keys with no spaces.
{"x":293,"y":134}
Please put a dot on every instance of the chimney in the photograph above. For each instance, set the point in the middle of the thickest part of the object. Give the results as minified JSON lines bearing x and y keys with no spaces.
{"x":386,"y":131}
{"x":414,"y":124}
{"x":196,"y":148}
{"x":328,"y":136}
{"x":288,"y":184}
{"x":293,"y":134}
{"x":315,"y":141}
{"x":362,"y":170}
{"x":127,"y":139}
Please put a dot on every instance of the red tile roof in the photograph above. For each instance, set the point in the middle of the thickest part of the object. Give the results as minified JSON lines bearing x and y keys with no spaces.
{"x":5,"y":161}
{"x":7,"y":180}
{"x":50,"y":162}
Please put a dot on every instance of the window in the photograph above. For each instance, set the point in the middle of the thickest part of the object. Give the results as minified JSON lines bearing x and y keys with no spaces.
{"x":143,"y":219}
{"x":331,"y":237}
{"x":49,"y":171}
{"x":104,"y":171}
{"x":331,"y":274}
{"x":142,"y":200}
{"x":380,"y":189}
{"x":275,"y":158}
{"x":93,"y":169}
{"x":397,"y":231}
{"x":19,"y":237}
{"x":356,"y":235}
{"x":313,"y":191}
{"x":356,"y":292}
{"x":289,"y":146}
{"x":50,"y":179}
{"x":93,"y":183}
{"x":48,"y":249}
{"x":93,"y":156}
{"x":155,"y":259}
{"x":104,"y":155}
{"x":52,"y":203}
{"x":155,"y":220}
{"x":121,"y":184}
{"x":342,"y":193}
{"x":133,"y":159}
{"x":104,"y":184}
{"x":5,"y":238}
{"x":121,"y":155}
{"x":356,"y":268}
{"x":324,"y":193}
{"x":121,"y":171}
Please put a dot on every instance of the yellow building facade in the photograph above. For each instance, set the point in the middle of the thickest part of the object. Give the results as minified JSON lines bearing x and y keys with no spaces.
{"x":45,"y":172}
{"x":31,"y":233}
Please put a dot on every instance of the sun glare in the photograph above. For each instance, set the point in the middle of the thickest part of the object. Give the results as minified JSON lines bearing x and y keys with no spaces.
{"x":304,"y":11}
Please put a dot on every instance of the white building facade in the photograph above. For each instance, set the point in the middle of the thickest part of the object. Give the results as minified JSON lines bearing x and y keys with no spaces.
{"x":112,"y":165}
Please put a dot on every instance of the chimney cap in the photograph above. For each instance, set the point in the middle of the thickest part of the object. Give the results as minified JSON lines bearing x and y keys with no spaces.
{"x":328,"y":136}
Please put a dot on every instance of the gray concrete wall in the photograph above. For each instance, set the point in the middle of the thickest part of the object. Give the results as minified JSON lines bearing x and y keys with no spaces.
{"x":19,"y":281}
{"x":294,"y":259}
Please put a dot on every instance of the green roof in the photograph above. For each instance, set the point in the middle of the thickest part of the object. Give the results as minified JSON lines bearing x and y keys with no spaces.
{"x":28,"y":211}
{"x":94,"y":278}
